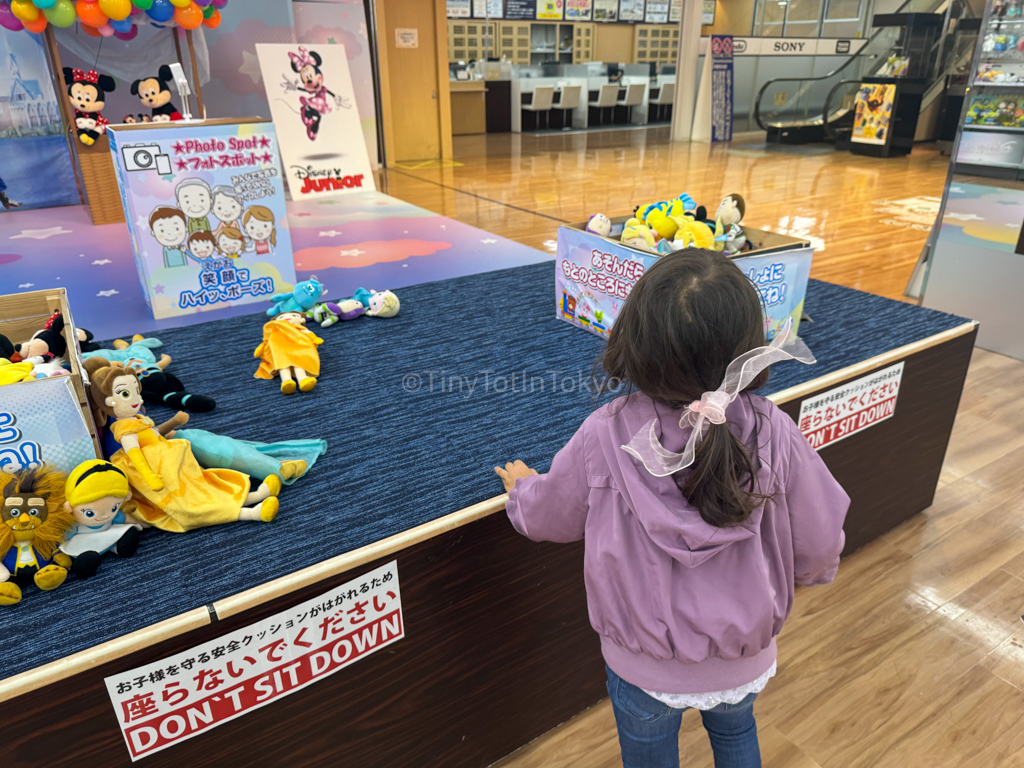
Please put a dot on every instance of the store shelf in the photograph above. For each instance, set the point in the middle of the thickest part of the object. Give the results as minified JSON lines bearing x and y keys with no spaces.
{"x":995,"y":128}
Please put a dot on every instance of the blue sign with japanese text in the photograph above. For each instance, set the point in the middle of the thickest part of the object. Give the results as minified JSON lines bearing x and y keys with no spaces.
{"x":205,"y":209}
{"x":721,"y":87}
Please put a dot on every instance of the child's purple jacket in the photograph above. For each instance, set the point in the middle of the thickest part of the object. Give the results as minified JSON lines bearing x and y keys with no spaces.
{"x":683,"y":606}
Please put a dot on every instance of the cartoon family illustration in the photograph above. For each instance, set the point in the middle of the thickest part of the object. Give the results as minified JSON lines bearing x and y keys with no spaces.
{"x":311,"y":80}
{"x":185,"y":231}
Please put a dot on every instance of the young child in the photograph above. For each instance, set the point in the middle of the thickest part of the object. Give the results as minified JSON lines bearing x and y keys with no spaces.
{"x":202,"y":245}
{"x":701,"y":506}
{"x":230,"y":242}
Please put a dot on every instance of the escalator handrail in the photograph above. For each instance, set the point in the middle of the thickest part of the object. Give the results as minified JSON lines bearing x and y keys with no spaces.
{"x":826,"y":111}
{"x":837,"y":70}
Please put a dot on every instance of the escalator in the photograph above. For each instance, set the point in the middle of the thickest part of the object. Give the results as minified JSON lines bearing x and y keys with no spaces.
{"x":801,"y":110}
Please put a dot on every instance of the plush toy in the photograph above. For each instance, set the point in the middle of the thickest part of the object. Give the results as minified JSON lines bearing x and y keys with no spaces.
{"x":97,"y":496}
{"x":12,"y":373}
{"x":33,"y":523}
{"x":159,"y":386}
{"x":49,"y":370}
{"x":172,"y":492}
{"x":660,"y":222}
{"x":88,"y":94}
{"x":730,"y":214}
{"x":6,"y":348}
{"x":692,"y":234}
{"x":638,"y":235}
{"x":328,"y":313}
{"x":303,"y":297}
{"x":363,"y":297}
{"x":599,"y":224}
{"x":383,"y":304}
{"x":155,"y":93}
{"x":289,"y":350}
{"x":45,"y":345}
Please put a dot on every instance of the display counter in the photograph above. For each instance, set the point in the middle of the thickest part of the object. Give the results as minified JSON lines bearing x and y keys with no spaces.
{"x":497,"y":647}
{"x":469,"y":108}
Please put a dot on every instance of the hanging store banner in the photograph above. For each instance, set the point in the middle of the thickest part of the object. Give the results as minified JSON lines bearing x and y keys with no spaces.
{"x":721,"y":87}
{"x":520,"y":10}
{"x":606,"y":10}
{"x":171,"y":700}
{"x":578,"y":10}
{"x":631,"y":10}
{"x":656,"y":12}
{"x":488,"y":9}
{"x":829,"y":417}
{"x":549,"y":10}
{"x":458,"y":9}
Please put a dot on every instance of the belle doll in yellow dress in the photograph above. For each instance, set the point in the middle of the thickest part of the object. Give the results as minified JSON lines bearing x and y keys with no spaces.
{"x":289,"y":350}
{"x":172,"y":491}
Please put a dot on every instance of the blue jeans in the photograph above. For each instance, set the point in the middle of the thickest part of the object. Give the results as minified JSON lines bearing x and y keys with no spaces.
{"x":649,"y":730}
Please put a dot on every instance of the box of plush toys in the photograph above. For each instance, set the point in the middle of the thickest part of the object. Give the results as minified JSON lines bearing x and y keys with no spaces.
{"x":44,"y":411}
{"x":599,"y":261}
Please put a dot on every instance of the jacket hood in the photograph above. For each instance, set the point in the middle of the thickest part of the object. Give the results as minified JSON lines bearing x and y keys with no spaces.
{"x":671,"y":522}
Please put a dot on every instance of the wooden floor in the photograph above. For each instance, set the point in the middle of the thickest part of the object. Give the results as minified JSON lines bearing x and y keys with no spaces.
{"x":522,"y":187}
{"x":915,"y":655}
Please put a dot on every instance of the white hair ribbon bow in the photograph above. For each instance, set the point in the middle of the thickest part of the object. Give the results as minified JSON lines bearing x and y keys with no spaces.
{"x":711,"y":407}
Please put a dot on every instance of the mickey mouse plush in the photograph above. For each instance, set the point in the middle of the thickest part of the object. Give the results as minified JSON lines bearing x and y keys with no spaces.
{"x":154,"y":93}
{"x":88,"y":93}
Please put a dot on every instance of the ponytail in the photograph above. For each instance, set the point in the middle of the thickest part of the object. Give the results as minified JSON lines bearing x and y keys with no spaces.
{"x":720,"y":482}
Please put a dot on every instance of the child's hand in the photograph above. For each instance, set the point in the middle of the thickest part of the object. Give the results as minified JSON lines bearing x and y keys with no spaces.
{"x":512,"y":472}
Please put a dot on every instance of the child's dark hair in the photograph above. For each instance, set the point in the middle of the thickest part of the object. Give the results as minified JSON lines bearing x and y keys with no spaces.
{"x":686,"y":319}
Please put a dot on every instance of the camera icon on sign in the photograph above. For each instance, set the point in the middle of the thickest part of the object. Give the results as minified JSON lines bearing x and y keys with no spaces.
{"x":145,"y":157}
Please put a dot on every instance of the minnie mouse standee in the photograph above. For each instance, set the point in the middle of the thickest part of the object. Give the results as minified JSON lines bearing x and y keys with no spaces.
{"x":88,"y":94}
{"x":311,"y":80}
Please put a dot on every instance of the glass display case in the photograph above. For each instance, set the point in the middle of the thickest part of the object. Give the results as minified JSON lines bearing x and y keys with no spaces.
{"x":991,"y":141}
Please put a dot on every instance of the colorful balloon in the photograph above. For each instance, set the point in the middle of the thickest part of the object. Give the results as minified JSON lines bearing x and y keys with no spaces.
{"x":143,"y":5}
{"x":42,"y":5}
{"x":38,"y":25}
{"x":24,"y":10}
{"x":207,"y":11}
{"x":116,"y":10}
{"x":8,"y":20}
{"x":214,"y":21}
{"x":219,"y":3}
{"x":130,"y":35}
{"x":203,"y":3}
{"x":106,"y":30}
{"x":181,"y":3}
{"x":91,"y":31}
{"x":189,"y":17}
{"x":122,"y":25}
{"x":161,"y":11}
{"x":62,"y":14}
{"x":89,"y":13}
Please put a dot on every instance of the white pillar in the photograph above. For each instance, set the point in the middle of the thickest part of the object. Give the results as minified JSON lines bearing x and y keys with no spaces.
{"x":686,"y":70}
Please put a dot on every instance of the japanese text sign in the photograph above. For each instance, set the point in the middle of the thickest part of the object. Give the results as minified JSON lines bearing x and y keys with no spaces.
{"x":830,"y":416}
{"x":168,"y":701}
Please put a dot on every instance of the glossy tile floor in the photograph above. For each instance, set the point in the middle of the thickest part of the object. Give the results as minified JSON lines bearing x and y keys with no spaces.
{"x":915,"y":655}
{"x":867,"y":217}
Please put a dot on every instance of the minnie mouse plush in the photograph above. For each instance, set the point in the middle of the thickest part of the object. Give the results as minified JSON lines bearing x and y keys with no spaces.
{"x":88,"y":94}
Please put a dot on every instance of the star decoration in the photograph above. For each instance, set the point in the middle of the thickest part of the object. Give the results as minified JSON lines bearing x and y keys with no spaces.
{"x":268,"y":158}
{"x":264,"y":141}
{"x":182,"y":165}
{"x":40,"y":234}
{"x":354,"y":253}
{"x":178,"y":147}
{"x":101,"y":262}
{"x":159,"y":289}
{"x":250,"y":66}
{"x":331,"y":40}
{"x":111,"y":292}
{"x":26,"y":285}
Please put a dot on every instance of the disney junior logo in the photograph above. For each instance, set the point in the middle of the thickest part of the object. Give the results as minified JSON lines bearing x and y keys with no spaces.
{"x":331,"y":178}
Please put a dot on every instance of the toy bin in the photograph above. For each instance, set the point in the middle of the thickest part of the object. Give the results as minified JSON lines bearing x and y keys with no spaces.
{"x":44,"y":420}
{"x":594,"y":275}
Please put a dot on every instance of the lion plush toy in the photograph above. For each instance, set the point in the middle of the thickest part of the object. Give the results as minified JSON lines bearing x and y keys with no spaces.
{"x":33,"y":523}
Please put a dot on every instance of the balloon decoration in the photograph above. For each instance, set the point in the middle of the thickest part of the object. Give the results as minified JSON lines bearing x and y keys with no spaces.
{"x":105,"y":18}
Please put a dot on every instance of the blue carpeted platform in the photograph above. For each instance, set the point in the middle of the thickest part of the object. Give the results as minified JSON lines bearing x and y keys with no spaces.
{"x":397,"y":458}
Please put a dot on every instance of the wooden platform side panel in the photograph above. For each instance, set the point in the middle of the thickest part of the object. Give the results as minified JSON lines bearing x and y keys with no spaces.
{"x":498,"y":649}
{"x":891,"y":469}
